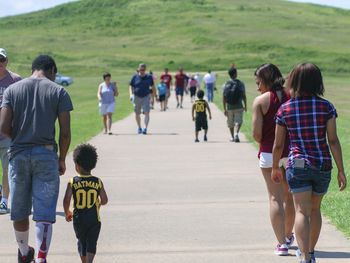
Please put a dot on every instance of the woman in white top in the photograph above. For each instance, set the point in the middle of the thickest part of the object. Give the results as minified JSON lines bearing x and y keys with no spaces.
{"x":107,"y":91}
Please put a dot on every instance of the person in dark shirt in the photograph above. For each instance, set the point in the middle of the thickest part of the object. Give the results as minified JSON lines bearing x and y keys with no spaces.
{"x":180,"y":85}
{"x":88,"y":194}
{"x":199,"y":115}
{"x":141,"y":95}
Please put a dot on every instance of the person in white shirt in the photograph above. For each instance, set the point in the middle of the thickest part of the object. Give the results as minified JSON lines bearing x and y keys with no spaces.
{"x":209,"y":81}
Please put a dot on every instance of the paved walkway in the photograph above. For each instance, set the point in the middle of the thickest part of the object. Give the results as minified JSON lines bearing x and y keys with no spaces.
{"x":174,"y":201}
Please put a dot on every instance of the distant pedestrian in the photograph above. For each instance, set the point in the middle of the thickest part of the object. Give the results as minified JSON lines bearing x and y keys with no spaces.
{"x":89,"y":194}
{"x":234,"y":97}
{"x":310,"y":123}
{"x":209,"y":82}
{"x":197,"y":77}
{"x":140,"y":93}
{"x":6,"y":79}
{"x":193,"y":85}
{"x":107,"y":91}
{"x":154,"y":77}
{"x":199,"y":115}
{"x":168,"y":80}
{"x":162,"y":93}
{"x":29,"y":112}
{"x":270,"y":84}
{"x":180,"y":86}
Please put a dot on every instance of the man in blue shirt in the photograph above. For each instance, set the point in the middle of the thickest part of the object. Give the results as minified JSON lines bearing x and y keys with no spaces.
{"x":141,"y":94}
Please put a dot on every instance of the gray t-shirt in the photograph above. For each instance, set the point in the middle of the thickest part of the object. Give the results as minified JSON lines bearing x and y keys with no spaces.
{"x":5,"y":82}
{"x":36,"y":104}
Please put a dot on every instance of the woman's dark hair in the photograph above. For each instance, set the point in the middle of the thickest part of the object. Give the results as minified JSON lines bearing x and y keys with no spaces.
{"x":44,"y":63}
{"x":306,"y":79}
{"x":85,"y":156}
{"x":106,"y":75}
{"x":270,"y":75}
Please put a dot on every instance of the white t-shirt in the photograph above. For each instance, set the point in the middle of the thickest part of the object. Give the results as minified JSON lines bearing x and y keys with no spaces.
{"x":209,"y":78}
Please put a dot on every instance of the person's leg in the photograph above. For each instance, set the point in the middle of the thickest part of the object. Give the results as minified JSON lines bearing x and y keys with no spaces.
{"x":303,"y":207}
{"x":146,"y":111}
{"x":211,"y":89}
{"x":232,"y":132}
{"x":315,"y":221}
{"x":21,"y":201}
{"x":44,"y":172}
{"x":196,"y":135}
{"x":147,"y":119}
{"x":182,"y":100}
{"x":289,"y":209}
{"x":91,"y":242}
{"x":138,"y":120}
{"x":230,"y":123}
{"x":207,"y":91}
{"x":104,"y":120}
{"x":5,"y":182}
{"x":109,"y":122}
{"x":43,"y":236}
{"x":277,"y":216}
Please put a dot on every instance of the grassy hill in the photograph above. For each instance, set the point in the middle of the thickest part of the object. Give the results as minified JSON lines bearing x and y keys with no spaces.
{"x":92,"y":36}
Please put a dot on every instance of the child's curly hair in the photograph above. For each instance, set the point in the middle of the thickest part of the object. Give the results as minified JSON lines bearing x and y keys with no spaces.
{"x":85,"y":156}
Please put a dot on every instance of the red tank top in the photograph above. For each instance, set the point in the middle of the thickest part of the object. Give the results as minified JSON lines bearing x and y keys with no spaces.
{"x":269,"y":124}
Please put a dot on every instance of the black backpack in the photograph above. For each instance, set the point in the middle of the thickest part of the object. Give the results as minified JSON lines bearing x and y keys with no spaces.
{"x":233,"y":91}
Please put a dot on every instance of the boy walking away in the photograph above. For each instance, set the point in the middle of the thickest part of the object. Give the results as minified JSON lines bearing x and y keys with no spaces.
{"x":233,"y":98}
{"x":162,"y":93}
{"x":193,"y":84}
{"x":200,"y":107}
{"x":88,"y":194}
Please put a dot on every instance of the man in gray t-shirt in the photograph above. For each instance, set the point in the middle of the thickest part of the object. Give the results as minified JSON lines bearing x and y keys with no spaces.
{"x":6,"y":79}
{"x":28,"y":114}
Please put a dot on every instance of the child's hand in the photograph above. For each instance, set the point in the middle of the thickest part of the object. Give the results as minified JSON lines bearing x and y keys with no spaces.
{"x":209,"y":117}
{"x":225,"y":112}
{"x":69,"y":216}
{"x":193,"y":118}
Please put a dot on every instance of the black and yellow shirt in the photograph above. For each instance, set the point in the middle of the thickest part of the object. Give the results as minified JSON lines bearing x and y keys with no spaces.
{"x":200,"y":107}
{"x":86,"y":192}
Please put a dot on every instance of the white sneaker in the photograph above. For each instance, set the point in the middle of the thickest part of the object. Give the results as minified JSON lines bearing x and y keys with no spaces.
{"x":3,"y":209}
{"x":281,"y":250}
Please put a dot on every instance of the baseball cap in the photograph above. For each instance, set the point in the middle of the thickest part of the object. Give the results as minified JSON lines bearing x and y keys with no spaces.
{"x":3,"y":53}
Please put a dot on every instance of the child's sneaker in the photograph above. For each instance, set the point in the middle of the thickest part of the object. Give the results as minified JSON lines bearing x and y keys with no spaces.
{"x":281,"y":250}
{"x":290,"y":240}
{"x":3,"y":209}
{"x":196,"y":140}
{"x":312,"y":257}
{"x":237,"y":138}
{"x":139,"y":131}
{"x":205,"y":138}
{"x":144,"y":131}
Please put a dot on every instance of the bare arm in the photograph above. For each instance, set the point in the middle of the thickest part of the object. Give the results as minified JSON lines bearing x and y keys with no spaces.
{"x":103,"y":195}
{"x":6,"y":116}
{"x":99,"y":92}
{"x":245,"y":101}
{"x":336,"y":150}
{"x":193,"y":117}
{"x":208,"y":109}
{"x":278,"y":146}
{"x":224,"y":103}
{"x":66,"y":203}
{"x":64,"y":139}
{"x":116,"y":92}
{"x":131,"y":91}
{"x":257,"y":121}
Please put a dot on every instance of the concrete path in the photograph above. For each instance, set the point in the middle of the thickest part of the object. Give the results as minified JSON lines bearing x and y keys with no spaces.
{"x":174,"y":201}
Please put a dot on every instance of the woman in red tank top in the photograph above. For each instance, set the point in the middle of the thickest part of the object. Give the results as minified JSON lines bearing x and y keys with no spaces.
{"x":282,"y":214}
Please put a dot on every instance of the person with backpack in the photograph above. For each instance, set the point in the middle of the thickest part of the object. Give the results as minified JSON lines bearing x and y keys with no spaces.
{"x":234,"y":97}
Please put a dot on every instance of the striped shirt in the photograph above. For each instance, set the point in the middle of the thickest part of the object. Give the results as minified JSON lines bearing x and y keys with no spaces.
{"x":306,"y":121}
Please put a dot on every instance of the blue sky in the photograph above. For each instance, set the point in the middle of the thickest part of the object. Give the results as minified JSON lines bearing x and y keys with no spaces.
{"x":13,"y":7}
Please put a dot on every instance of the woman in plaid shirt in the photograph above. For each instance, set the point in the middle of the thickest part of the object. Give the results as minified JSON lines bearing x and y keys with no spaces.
{"x":309,"y":121}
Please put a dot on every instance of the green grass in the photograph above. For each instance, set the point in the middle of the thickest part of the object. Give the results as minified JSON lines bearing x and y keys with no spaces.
{"x":92,"y":36}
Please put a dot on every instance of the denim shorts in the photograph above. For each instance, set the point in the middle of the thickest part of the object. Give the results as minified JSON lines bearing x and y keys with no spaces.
{"x":4,"y":157}
{"x":34,"y":181}
{"x":179,"y":91}
{"x":308,"y":178}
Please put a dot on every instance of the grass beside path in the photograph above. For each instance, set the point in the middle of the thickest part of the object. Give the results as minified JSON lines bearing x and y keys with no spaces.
{"x":335,"y":205}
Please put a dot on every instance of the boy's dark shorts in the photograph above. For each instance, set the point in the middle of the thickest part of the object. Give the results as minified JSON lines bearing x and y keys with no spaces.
{"x":201,"y":123}
{"x":87,"y":236}
{"x":162,"y":97}
{"x":308,"y":178}
{"x":179,"y":91}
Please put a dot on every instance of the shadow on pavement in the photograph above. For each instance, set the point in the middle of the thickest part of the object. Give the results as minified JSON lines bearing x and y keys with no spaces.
{"x":332,"y":254}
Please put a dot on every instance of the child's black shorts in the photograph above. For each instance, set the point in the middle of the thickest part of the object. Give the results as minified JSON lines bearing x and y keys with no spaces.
{"x":162,"y":97}
{"x":201,"y":123}
{"x":193,"y":91}
{"x":87,"y":236}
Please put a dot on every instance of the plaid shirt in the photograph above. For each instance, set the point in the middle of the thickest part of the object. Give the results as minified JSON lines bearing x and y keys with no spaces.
{"x":306,"y":121}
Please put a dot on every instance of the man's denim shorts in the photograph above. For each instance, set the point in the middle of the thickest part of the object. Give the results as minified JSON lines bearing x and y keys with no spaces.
{"x":34,"y":181}
{"x":308,"y":178}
